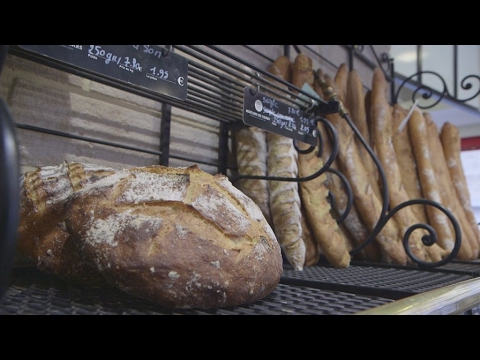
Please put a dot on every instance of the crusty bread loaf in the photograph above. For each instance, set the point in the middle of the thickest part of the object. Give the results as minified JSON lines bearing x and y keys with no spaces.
{"x":42,"y":236}
{"x":451,"y":143}
{"x":178,"y":237}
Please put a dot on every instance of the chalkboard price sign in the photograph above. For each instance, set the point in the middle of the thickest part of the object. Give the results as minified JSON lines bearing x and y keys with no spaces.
{"x":147,"y":66}
{"x":267,"y":113}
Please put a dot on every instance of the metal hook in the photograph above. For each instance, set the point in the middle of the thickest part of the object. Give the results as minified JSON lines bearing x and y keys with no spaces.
{"x":167,"y":50}
{"x":256,"y":91}
{"x":311,"y":106}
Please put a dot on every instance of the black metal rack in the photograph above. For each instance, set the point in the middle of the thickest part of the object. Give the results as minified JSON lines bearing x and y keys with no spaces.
{"x":216,"y":82}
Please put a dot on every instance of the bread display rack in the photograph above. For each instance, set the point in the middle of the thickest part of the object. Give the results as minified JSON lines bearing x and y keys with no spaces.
{"x":216,"y":81}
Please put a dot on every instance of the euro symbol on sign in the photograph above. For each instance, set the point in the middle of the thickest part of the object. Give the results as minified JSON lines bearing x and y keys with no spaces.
{"x":180,"y":81}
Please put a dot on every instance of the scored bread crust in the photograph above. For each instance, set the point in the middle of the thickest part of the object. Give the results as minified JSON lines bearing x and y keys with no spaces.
{"x":285,"y":204}
{"x":314,"y":194}
{"x":366,"y":201}
{"x":42,"y":236}
{"x":451,"y":143}
{"x":417,"y":129}
{"x":446,"y":189}
{"x":356,"y":230}
{"x":408,"y":169}
{"x":178,"y":237}
{"x":382,"y":133}
{"x":251,"y":152}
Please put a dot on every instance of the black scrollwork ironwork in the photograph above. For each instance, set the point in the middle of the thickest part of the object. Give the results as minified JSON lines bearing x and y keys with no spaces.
{"x":386,"y":214}
{"x":426,"y":92}
{"x":320,"y":141}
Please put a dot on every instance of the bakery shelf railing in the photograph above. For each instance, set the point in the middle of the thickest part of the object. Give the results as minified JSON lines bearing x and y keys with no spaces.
{"x":216,"y":83}
{"x":386,"y":212}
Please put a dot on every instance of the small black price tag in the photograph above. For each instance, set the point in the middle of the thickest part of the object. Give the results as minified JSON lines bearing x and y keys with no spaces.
{"x":267,"y":113}
{"x":147,"y":66}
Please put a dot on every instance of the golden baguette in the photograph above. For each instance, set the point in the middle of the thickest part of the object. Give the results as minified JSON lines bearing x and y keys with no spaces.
{"x":417,"y":129}
{"x":302,"y":71}
{"x":408,"y":169}
{"x":356,"y":230}
{"x":312,"y":251}
{"x":314,"y":194}
{"x":451,"y":142}
{"x":341,"y":81}
{"x":365,"y":199}
{"x":381,"y":114}
{"x":446,"y":189}
{"x":355,"y":103}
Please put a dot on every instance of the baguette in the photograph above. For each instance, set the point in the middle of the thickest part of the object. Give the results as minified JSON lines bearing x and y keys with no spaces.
{"x":408,"y":169}
{"x":451,"y":143}
{"x":446,"y":189}
{"x":312,"y":251}
{"x":354,"y":226}
{"x":365,"y":198}
{"x":341,"y":81}
{"x":251,"y":153}
{"x":381,"y":115}
{"x":355,"y":103}
{"x":302,"y":71}
{"x":314,"y":194}
{"x":285,"y":203}
{"x":417,"y":129}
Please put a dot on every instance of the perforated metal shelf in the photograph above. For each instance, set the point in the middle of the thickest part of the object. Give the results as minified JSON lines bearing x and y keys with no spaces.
{"x":35,"y":293}
{"x":390,"y":282}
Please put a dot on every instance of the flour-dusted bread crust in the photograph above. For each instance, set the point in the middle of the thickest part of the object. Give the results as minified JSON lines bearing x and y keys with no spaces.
{"x":408,"y":169}
{"x":451,"y":143}
{"x":446,"y":188}
{"x":314,"y":195}
{"x":285,"y":204}
{"x":251,"y":152}
{"x":381,"y":115}
{"x":429,"y":181}
{"x":365,"y":197}
{"x":178,"y":237}
{"x":42,"y":236}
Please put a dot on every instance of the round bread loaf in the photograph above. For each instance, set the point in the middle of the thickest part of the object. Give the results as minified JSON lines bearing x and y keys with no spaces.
{"x":179,"y":237}
{"x":42,"y":236}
